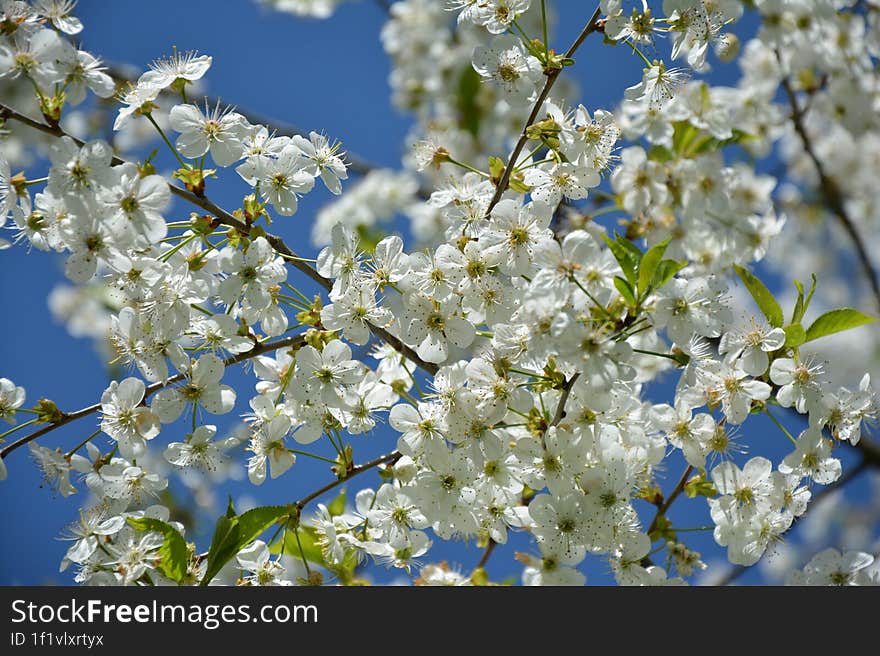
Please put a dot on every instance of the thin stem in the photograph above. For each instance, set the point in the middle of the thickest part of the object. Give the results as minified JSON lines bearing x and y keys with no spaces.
{"x":603,"y":210}
{"x":313,"y":455}
{"x":533,"y":164}
{"x":487,"y":553}
{"x":29,"y":422}
{"x":335,"y":446}
{"x":522,"y":33}
{"x":83,"y":443}
{"x":413,"y":379}
{"x":66,"y":418}
{"x":199,"y":308}
{"x":780,"y":426}
{"x":297,"y":292}
{"x":667,"y":502}
{"x":544,"y":30}
{"x":659,"y":355}
{"x":539,"y":103}
{"x":164,"y":257}
{"x":830,"y":190}
{"x":532,"y":374}
{"x":601,"y":307}
{"x":563,"y":399}
{"x":302,"y":552}
{"x":647,"y":61}
{"x":467,"y":167}
{"x":530,"y":155}
{"x":168,"y":143}
{"x":388,"y":457}
{"x":227,"y":219}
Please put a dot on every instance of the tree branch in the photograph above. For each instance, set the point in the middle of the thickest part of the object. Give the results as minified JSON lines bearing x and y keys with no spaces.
{"x":830,"y":191}
{"x":548,"y":85}
{"x":227,"y":219}
{"x":557,"y":417}
{"x":388,"y":457}
{"x":664,"y":507}
{"x":67,"y":417}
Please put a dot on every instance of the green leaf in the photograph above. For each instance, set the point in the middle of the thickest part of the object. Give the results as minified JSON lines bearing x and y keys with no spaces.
{"x":517,"y":185}
{"x":634,"y":250}
{"x":765,"y":300}
{"x":496,"y":167}
{"x":648,"y":266}
{"x":665,"y":272}
{"x":225,"y":534}
{"x":798,"y":312}
{"x":699,"y":486}
{"x":801,"y":305}
{"x":660,"y":153}
{"x":683,"y":134}
{"x":626,"y":254}
{"x":837,"y":321}
{"x":308,"y":538}
{"x":466,"y":101}
{"x":625,"y":290}
{"x":173,"y":554}
{"x":795,"y":335}
{"x":337,"y":506}
{"x":255,"y":521}
{"x":233,"y":533}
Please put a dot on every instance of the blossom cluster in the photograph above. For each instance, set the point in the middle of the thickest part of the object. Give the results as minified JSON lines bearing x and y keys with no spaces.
{"x":515,"y":351}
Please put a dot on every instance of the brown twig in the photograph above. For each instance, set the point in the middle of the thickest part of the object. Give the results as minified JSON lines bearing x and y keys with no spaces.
{"x":227,"y":219}
{"x":557,"y":417}
{"x":354,"y":471}
{"x":667,"y":502}
{"x":552,"y":75}
{"x":67,"y":417}
{"x":831,"y":193}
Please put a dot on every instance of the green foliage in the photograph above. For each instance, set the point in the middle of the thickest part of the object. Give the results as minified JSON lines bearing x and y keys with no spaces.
{"x":829,"y":323}
{"x":337,"y":506}
{"x":836,"y":321}
{"x":466,"y":101}
{"x":698,"y":486}
{"x":173,"y":554}
{"x":765,"y":300}
{"x":233,"y":532}
{"x":644,"y":272}
{"x":794,"y":335}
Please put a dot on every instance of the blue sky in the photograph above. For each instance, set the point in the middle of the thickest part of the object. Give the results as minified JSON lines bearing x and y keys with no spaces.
{"x":328,"y":76}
